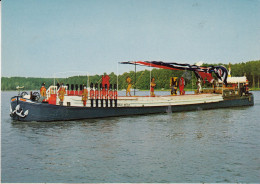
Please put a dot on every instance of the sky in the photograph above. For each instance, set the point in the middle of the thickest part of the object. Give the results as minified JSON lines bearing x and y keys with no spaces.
{"x":43,"y":38}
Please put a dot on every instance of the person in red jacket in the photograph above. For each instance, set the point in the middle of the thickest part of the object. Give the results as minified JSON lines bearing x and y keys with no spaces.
{"x":181,"y":86}
{"x":152,"y":86}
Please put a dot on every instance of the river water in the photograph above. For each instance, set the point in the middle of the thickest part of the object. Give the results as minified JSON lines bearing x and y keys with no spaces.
{"x":219,"y":145}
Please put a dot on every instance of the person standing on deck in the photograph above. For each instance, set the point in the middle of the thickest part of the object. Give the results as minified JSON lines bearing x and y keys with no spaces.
{"x":214,"y":85}
{"x":61,"y":94}
{"x":152,"y":86}
{"x":199,"y":89}
{"x":85,"y":95}
{"x":181,"y":86}
{"x":43,"y":90}
{"x":128,"y":90}
{"x":173,"y":85}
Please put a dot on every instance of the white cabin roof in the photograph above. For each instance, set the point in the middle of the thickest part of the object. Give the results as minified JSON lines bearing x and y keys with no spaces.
{"x":235,"y":80}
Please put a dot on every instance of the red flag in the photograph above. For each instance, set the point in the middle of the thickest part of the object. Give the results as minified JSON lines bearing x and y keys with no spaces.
{"x":105,"y":80}
{"x":206,"y":75}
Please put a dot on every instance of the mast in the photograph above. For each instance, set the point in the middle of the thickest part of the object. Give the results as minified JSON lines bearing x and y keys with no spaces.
{"x":229,"y":70}
{"x":191,"y":81}
{"x":88,"y":80}
{"x":117,"y":77}
{"x":135,"y":79}
{"x":54,"y":80}
{"x":150,"y":79}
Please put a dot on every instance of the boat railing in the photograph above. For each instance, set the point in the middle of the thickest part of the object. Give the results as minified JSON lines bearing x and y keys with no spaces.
{"x":51,"y":90}
{"x":225,"y":91}
{"x":230,"y":92}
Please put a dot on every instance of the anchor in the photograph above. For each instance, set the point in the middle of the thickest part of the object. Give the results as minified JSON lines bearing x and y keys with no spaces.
{"x":18,"y":111}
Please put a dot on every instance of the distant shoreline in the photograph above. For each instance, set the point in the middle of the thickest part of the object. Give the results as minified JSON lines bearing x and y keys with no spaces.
{"x":251,"y":89}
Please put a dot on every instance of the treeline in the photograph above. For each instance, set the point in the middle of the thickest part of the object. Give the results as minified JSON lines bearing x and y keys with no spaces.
{"x":140,"y":79}
{"x":250,"y":69}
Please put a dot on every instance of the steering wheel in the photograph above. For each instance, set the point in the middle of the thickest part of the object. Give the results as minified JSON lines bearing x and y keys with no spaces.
{"x":37,"y":95}
{"x":23,"y":94}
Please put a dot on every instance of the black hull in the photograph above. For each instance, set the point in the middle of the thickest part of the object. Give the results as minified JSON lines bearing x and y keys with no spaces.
{"x":47,"y":112}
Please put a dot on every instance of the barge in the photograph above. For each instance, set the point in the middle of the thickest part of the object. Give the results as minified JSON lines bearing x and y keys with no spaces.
{"x":231,"y":92}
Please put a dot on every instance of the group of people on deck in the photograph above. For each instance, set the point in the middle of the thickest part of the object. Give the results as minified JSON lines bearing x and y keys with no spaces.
{"x":173,"y":86}
{"x":104,"y":93}
{"x":129,"y":85}
{"x":84,"y":93}
{"x":62,"y":92}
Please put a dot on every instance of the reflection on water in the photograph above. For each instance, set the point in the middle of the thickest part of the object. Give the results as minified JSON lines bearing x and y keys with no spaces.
{"x":106,"y":123}
{"x":219,"y":145}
